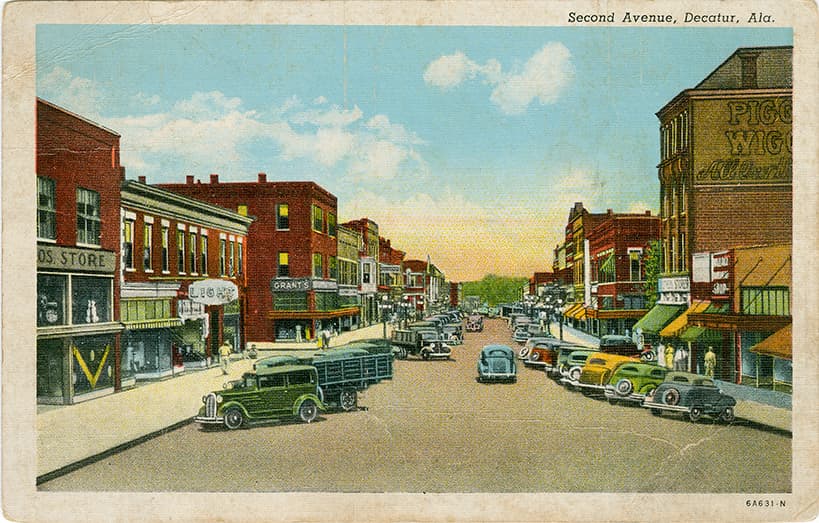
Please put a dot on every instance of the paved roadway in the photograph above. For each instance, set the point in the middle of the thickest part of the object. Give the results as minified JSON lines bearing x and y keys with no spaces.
{"x":433,"y":428}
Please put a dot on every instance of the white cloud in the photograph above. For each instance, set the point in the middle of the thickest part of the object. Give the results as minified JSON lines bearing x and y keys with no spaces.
{"x":544,"y":77}
{"x":320,"y":100}
{"x":333,"y":117}
{"x":79,"y":95}
{"x":377,"y":160}
{"x":392,"y":131}
{"x":143,"y":99}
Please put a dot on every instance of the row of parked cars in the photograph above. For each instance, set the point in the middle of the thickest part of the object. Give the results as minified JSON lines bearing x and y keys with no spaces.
{"x":622,"y":372}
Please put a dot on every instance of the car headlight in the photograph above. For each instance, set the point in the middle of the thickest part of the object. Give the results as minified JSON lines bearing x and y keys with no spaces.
{"x":219,"y":398}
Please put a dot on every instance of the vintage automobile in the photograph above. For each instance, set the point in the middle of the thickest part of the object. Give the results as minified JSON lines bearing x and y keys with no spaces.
{"x":497,"y":363}
{"x":521,"y":334}
{"x":544,"y":353}
{"x":453,"y":333}
{"x":597,"y":371}
{"x":691,"y":394}
{"x":426,"y":343}
{"x":474,"y":323}
{"x":527,"y":347}
{"x":624,"y":346}
{"x":571,"y":363}
{"x":274,"y":392}
{"x":634,"y":381}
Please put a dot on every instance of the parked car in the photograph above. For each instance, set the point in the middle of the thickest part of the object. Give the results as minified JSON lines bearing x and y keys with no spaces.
{"x":497,"y":363}
{"x":572,"y":365}
{"x":624,"y":346}
{"x":474,"y":323}
{"x":544,"y":353}
{"x":453,"y":333}
{"x":269,"y":393}
{"x":693,"y":395}
{"x":425,"y":343}
{"x":527,"y":347}
{"x":634,"y":381}
{"x":521,"y":334}
{"x":597,"y":371}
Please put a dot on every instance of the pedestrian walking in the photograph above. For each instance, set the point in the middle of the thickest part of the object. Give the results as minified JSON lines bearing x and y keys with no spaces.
{"x":244,"y":352}
{"x":298,"y":333}
{"x":710,"y":362}
{"x":681,"y":359}
{"x":224,"y":356}
{"x":669,"y":356}
{"x":325,"y":335}
{"x":661,"y":354}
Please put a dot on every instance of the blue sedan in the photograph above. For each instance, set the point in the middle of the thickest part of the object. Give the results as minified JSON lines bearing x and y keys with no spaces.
{"x":497,"y":363}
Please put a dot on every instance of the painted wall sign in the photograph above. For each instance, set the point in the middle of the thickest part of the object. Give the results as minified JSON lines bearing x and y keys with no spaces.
{"x":74,"y":259}
{"x":701,"y":267}
{"x":213,"y":292}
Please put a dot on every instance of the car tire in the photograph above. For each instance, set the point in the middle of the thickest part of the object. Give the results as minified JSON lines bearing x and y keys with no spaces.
{"x":308,"y":411}
{"x":695,"y":413}
{"x":671,"y":396}
{"x":727,"y":415}
{"x":657,"y":412}
{"x":424,"y":354}
{"x":348,"y":400}
{"x":613,"y":401}
{"x":624,"y":387}
{"x":574,"y":373}
{"x":234,"y":418}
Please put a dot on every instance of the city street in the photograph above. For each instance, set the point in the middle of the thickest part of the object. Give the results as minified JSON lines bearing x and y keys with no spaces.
{"x":434,"y":428}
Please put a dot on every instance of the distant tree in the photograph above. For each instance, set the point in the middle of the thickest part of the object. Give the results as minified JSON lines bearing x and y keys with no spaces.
{"x":494,"y":289}
{"x":653,"y":267}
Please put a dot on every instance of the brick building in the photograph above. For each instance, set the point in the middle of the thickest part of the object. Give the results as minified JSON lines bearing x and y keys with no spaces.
{"x":368,"y":256}
{"x":292,"y":260}
{"x":390,"y":271}
{"x":725,"y":176}
{"x":78,"y":256}
{"x":617,"y":248}
{"x":174,"y":251}
{"x":349,"y":270}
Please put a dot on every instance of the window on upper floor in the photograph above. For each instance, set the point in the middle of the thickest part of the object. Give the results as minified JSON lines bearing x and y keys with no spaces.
{"x":147,"y":247}
{"x":203,"y":254}
{"x":222,"y":256}
{"x":231,"y":258}
{"x":165,"y":262}
{"x":88,"y":216}
{"x":318,"y":218}
{"x":635,"y":272}
{"x":331,"y":224}
{"x":239,"y":257}
{"x":46,"y":208}
{"x":180,"y":251}
{"x":282,"y":217}
{"x":284,"y":265}
{"x":318,"y":265}
{"x":192,"y":258}
{"x":128,"y":243}
{"x":333,"y":267}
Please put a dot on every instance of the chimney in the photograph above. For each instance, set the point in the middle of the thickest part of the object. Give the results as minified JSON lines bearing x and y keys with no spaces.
{"x":609,"y":212}
{"x":262,"y":178}
{"x":189,"y":179}
{"x":141,"y":179}
{"x":748,"y":58}
{"x":648,"y":213}
{"x":214,"y":178}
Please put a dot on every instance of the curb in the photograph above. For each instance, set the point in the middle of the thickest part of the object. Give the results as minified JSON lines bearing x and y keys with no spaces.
{"x":67,"y":469}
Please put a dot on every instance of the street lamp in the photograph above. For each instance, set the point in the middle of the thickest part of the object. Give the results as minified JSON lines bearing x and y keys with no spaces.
{"x":560,"y":313}
{"x":384,"y":306}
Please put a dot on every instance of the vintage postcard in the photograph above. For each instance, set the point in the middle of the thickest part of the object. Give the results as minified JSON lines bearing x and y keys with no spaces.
{"x":410,"y":261}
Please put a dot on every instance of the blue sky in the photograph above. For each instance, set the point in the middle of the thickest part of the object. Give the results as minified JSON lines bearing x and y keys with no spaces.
{"x":469,"y":144}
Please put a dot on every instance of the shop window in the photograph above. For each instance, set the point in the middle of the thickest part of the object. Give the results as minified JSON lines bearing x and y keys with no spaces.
{"x":147,"y":351}
{"x":128,"y":243}
{"x":318,"y":218}
{"x":51,"y":300}
{"x":90,"y":299}
{"x":180,"y":251}
{"x":284,"y":265}
{"x":88,"y":217}
{"x":93,"y":363}
{"x":46,"y":209}
{"x":203,"y":254}
{"x":147,"y":234}
{"x":192,"y":258}
{"x":331,"y":224}
{"x":326,"y":301}
{"x":318,"y":265}
{"x":290,"y":301}
{"x":165,"y":262}
{"x":282,"y":217}
{"x":50,"y":368}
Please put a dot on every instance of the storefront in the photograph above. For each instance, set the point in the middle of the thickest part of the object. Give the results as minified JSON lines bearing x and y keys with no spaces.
{"x":191,"y":336}
{"x":77,"y":338}
{"x":775,"y":361}
{"x":304,"y":306}
{"x":649,"y":326}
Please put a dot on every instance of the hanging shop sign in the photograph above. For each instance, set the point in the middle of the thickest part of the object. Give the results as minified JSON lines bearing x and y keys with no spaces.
{"x":674,"y":291}
{"x":721,"y":272}
{"x":213,"y":292}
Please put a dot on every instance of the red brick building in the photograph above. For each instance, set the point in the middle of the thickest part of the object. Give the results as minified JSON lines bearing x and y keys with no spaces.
{"x":78,"y":257}
{"x":291,"y":254}
{"x":368,"y":255}
{"x":617,"y":247}
{"x":390,"y":271}
{"x":174,"y":251}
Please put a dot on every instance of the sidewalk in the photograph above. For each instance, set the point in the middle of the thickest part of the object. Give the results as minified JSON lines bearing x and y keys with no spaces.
{"x":70,"y":434}
{"x":772,"y":409}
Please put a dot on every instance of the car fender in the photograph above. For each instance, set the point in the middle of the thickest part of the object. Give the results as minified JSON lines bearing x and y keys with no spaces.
{"x":304,"y":397}
{"x":229,"y":404}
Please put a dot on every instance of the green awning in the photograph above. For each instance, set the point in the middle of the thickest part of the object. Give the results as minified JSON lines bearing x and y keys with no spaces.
{"x":692,"y":333}
{"x":657,"y":318}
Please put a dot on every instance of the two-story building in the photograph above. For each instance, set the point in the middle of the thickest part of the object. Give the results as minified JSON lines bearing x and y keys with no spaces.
{"x":184,"y":268}
{"x":78,"y":256}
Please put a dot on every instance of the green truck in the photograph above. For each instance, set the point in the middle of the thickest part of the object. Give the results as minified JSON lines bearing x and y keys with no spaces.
{"x":343,"y":372}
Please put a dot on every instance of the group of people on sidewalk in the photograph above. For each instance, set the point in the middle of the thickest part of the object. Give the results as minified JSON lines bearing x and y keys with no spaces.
{"x":677,"y":359}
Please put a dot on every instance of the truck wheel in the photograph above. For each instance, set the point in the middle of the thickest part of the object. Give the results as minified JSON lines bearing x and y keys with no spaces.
{"x":234,"y":418}
{"x":727,"y":415}
{"x":308,"y":411}
{"x":348,"y":400}
{"x":695,"y":413}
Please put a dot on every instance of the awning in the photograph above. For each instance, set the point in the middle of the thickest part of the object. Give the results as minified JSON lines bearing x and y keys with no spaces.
{"x":571,"y":310}
{"x":657,"y":318}
{"x":152,"y":324}
{"x":679,"y":324}
{"x":580,"y":314}
{"x":692,"y":333}
{"x":777,"y":344}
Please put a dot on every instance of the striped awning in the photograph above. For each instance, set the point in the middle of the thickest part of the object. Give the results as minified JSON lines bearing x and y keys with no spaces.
{"x":163,"y":323}
{"x":572,"y":310}
{"x":679,"y":325}
{"x":778,"y":344}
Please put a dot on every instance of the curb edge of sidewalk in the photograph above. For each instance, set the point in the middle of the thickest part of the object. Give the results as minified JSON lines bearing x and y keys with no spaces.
{"x":67,"y":469}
